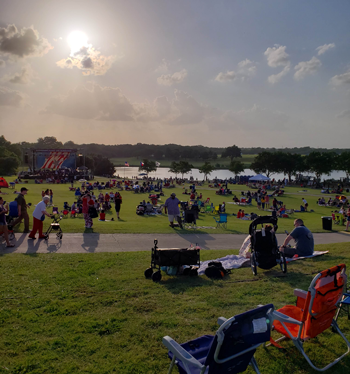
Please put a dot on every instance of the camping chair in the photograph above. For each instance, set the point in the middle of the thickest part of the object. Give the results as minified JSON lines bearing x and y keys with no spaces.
{"x":314,"y":312}
{"x":217,"y":210}
{"x":189,"y":219}
{"x":344,"y":303}
{"x":229,"y":351}
{"x":208,"y":209}
{"x":65,"y":213}
{"x":221,"y":220}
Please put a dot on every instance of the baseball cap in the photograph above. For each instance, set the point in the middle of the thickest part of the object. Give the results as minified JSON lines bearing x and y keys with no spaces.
{"x":24,"y":189}
{"x":173,"y":194}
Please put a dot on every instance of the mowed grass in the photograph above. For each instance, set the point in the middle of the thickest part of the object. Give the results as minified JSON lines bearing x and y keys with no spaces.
{"x":96,"y":313}
{"x":132,"y":223}
{"x":223,"y":162}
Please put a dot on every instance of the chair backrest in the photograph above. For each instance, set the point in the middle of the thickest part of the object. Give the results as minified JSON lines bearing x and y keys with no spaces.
{"x":208,"y":208}
{"x":325,"y":292}
{"x":190,"y":216}
{"x":263,"y":241}
{"x":13,"y":209}
{"x":223,"y":217}
{"x":237,"y":339}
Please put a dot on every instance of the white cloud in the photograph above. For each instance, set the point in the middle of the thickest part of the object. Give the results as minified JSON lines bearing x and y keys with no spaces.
{"x":165,"y":65}
{"x":229,"y":76}
{"x":90,"y":61}
{"x":169,"y":80}
{"x":24,"y":77}
{"x":277,"y":56}
{"x":305,"y":68}
{"x":344,"y":114}
{"x":22,"y":43}
{"x":338,"y":80}
{"x":246,"y":69}
{"x":275,"y":78}
{"x":324,"y":48}
{"x":99,"y":103}
{"x":10,"y":97}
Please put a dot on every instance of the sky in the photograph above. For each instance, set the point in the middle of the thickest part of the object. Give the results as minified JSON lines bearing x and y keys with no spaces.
{"x":272,"y":73}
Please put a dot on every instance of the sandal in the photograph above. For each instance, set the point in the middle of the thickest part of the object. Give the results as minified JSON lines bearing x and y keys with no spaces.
{"x":10,"y":245}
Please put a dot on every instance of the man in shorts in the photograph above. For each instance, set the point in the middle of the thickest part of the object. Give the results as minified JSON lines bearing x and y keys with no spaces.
{"x":172,"y":204}
{"x":22,"y":210}
{"x":304,"y":241}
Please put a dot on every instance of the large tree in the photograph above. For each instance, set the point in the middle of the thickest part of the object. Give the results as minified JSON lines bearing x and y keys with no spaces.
{"x":10,"y":155}
{"x":344,"y":163}
{"x":184,"y":167}
{"x":289,"y":164}
{"x":148,"y":166}
{"x":231,"y":152}
{"x":48,"y":142}
{"x":321,"y":163}
{"x":265,"y":162}
{"x":206,"y":169}
{"x":236,"y":167}
{"x":174,"y":168}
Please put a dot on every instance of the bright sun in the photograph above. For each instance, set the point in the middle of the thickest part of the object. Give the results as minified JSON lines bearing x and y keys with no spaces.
{"x":77,"y":40}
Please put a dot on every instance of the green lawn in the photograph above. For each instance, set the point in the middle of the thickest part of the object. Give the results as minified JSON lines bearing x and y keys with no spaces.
{"x":96,"y":313}
{"x":131,"y":223}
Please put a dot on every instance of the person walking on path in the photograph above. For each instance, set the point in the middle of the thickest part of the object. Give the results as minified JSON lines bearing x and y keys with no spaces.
{"x":38,"y":218}
{"x":3,"y":225}
{"x":303,"y":238}
{"x":172,"y":204}
{"x":22,"y":210}
{"x":88,"y":220}
{"x":117,"y":201}
{"x":347,"y":220}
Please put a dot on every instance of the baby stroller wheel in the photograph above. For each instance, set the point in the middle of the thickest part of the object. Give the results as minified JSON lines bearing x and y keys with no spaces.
{"x":148,"y":273}
{"x":253,"y":264}
{"x":46,"y":236}
{"x":11,"y":235}
{"x":283,"y":263}
{"x":59,"y":235}
{"x":157,"y":276}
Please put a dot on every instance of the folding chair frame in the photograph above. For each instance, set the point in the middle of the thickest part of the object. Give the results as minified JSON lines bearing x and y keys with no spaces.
{"x":188,"y":360}
{"x":299,"y":339}
{"x":220,"y":222}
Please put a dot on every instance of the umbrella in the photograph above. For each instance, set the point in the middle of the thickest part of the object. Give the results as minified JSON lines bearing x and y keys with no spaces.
{"x":143,"y":174}
{"x":82,"y":180}
{"x":259,"y":177}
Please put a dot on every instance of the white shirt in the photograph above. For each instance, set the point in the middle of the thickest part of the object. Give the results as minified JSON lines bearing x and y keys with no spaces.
{"x":39,"y":209}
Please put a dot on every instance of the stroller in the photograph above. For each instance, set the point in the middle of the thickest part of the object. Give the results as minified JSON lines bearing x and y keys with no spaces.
{"x":55,"y":226}
{"x":264,"y":249}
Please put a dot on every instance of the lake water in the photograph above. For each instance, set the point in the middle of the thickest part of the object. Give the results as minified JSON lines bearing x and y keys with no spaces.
{"x":129,"y":172}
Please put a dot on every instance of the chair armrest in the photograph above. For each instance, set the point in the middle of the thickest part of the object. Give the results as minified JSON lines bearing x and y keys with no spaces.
{"x":180,"y":352}
{"x":300,"y":293}
{"x":221,"y":320}
{"x":283,"y":318}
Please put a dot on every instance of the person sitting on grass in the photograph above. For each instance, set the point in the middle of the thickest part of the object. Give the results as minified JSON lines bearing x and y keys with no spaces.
{"x":304,"y":241}
{"x":102,"y":216}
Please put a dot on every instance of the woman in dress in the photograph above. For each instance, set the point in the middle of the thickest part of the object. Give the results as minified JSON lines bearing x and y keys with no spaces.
{"x":88,"y":220}
{"x":117,"y":201}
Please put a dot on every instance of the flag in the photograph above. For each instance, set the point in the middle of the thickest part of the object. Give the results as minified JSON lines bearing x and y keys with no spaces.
{"x":55,"y":160}
{"x":141,"y":163}
{"x":157,"y":164}
{"x":126,"y":163}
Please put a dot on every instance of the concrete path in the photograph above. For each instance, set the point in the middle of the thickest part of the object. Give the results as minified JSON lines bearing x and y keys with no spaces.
{"x":94,"y":243}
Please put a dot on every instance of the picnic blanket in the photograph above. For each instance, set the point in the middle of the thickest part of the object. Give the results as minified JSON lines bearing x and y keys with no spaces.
{"x":228,"y":262}
{"x":316,"y":253}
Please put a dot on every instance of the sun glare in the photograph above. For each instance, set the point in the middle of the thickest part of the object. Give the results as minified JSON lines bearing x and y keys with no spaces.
{"x":77,"y":40}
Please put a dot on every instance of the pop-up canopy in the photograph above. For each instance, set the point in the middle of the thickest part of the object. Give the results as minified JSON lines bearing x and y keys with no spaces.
{"x":259,"y":178}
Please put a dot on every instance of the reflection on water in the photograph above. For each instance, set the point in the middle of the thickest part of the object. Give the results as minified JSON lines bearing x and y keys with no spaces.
{"x":130,"y":172}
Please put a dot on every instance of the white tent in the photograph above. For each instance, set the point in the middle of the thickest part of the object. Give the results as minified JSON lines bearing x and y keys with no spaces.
{"x":259,"y":178}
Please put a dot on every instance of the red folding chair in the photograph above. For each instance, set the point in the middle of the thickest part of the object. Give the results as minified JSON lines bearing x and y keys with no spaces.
{"x":314,"y":312}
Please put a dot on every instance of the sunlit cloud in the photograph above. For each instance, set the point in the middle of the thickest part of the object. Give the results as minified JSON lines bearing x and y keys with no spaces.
{"x":275,"y":78}
{"x":24,"y":77}
{"x":277,"y":56}
{"x":11,"y":98}
{"x":170,"y":79}
{"x":25,"y":42}
{"x":165,"y":65}
{"x":229,"y":76}
{"x":305,"y":68}
{"x":340,"y":79}
{"x":245,"y":70}
{"x":324,"y":48}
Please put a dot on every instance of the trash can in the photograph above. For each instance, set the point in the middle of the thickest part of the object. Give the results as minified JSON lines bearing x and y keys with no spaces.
{"x":327,"y":223}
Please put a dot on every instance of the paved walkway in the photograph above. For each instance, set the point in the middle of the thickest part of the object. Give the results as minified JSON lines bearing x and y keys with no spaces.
{"x":94,"y":243}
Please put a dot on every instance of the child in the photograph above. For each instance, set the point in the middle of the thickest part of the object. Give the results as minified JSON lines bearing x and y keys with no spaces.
{"x":102,"y":216}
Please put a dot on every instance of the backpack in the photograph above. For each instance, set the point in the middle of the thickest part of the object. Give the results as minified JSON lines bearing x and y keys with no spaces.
{"x":215,"y":270}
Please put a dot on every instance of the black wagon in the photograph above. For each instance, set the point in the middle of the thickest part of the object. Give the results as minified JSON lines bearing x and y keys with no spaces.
{"x":170,"y":257}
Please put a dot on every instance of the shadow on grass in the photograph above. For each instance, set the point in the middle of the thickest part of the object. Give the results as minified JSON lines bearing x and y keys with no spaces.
{"x":178,"y":284}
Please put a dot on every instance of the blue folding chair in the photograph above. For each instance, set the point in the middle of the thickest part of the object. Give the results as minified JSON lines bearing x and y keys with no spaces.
{"x":229,"y":351}
{"x":221,"y":220}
